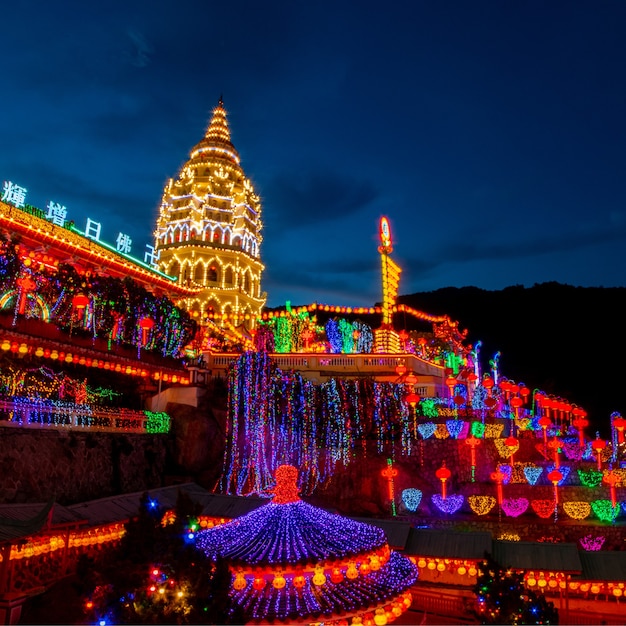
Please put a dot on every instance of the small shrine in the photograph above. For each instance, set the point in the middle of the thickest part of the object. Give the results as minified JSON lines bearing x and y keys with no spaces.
{"x":296,"y":563}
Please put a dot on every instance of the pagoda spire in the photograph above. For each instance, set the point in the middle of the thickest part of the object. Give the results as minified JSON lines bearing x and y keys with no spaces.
{"x":218,"y":130}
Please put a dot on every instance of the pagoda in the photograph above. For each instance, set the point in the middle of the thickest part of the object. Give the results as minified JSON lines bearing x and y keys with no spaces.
{"x":296,"y":563}
{"x":208,"y":232}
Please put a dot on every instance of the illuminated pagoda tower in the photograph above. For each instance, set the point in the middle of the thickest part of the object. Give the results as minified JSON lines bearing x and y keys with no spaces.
{"x":208,"y":232}
{"x":295,"y":563}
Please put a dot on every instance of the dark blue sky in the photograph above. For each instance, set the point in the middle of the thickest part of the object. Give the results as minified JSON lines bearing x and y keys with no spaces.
{"x":492,"y":134}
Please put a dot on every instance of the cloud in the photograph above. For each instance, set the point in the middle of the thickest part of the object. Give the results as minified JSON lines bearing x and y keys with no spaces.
{"x":298,"y":200}
{"x":139,"y":56}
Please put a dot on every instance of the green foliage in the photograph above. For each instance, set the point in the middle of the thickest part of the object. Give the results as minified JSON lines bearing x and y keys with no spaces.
{"x":157,"y":576}
{"x":502,"y":598}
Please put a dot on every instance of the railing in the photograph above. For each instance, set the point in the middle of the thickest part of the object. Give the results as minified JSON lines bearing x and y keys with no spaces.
{"x":23,"y":413}
{"x":347,"y":364}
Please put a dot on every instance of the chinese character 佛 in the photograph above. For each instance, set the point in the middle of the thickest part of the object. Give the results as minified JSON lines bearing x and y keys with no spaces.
{"x":123,"y":243}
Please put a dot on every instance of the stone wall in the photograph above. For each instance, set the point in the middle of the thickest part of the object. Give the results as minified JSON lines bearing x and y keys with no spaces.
{"x":78,"y":466}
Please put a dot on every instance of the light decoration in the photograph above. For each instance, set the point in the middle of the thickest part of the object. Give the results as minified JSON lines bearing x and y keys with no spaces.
{"x":390,"y":472}
{"x":589,"y":478}
{"x":577,"y":509}
{"x":543,"y":508}
{"x":441,"y":431}
{"x":478,"y":430}
{"x":514,"y":507}
{"x":493,"y":431}
{"x":481,"y":505}
{"x":572,"y":449}
{"x":331,"y":566}
{"x":592,"y":543}
{"x":473,"y":442}
{"x":456,"y":428}
{"x":604,"y":510}
{"x":450,"y":504}
{"x":411,"y":498}
{"x":279,"y":416}
{"x":507,"y":470}
{"x":532,"y":474}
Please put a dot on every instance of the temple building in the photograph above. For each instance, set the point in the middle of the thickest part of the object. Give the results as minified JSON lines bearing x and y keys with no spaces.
{"x":208,"y":233}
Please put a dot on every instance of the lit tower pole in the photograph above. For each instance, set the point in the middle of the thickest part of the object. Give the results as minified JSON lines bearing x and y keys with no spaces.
{"x":386,"y":338}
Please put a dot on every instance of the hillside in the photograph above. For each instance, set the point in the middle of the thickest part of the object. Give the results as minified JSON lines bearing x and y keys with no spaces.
{"x":565,"y":340}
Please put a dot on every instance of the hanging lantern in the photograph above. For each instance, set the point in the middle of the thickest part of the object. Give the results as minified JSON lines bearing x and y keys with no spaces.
{"x":545,"y":423}
{"x":450,"y":383}
{"x":598,"y":446}
{"x":513,"y":444}
{"x":488,"y":383}
{"x":473,"y":442}
{"x":146,"y":324}
{"x":555,"y":444}
{"x":498,"y":476}
{"x":580,"y":423}
{"x":412,"y":400}
{"x":400,"y":369}
{"x":619,"y":423}
{"x":555,"y":476}
{"x":611,"y":478}
{"x":25,"y":285}
{"x":443,"y":474}
{"x":390,"y":472}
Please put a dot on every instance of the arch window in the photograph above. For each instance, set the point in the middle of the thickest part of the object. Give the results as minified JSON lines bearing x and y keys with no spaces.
{"x":228,"y":278}
{"x":212,"y":274}
{"x":198,"y":274}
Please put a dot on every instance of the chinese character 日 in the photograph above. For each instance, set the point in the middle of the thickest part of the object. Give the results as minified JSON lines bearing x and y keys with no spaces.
{"x":123,"y":243}
{"x":56,"y":213}
{"x":92,"y":230}
{"x":14,"y":194}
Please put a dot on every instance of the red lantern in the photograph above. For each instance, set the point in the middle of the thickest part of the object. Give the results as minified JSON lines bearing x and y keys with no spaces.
{"x":412,"y":399}
{"x":513,"y":443}
{"x":580,"y":423}
{"x":488,"y":383}
{"x":498,"y":476}
{"x":598,"y":445}
{"x":611,"y":478}
{"x":555,"y":476}
{"x":619,"y":423}
{"x":443,"y":473}
{"x":400,"y":369}
{"x":450,"y":383}
{"x":146,"y":324}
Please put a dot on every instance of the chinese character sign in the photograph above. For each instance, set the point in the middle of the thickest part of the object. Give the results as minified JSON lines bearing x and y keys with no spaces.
{"x":123,"y":243}
{"x":57,"y":214}
{"x":151,"y":256}
{"x":14,"y":194}
{"x":92,"y":230}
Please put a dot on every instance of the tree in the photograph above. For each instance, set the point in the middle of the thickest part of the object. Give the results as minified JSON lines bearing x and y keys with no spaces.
{"x":157,"y":576}
{"x":503,"y":599}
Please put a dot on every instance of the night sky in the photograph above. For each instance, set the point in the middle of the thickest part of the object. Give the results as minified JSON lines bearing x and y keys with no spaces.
{"x":492,"y":134}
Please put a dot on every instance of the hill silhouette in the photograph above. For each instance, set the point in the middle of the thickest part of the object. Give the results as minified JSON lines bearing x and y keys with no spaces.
{"x":567,"y":341}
